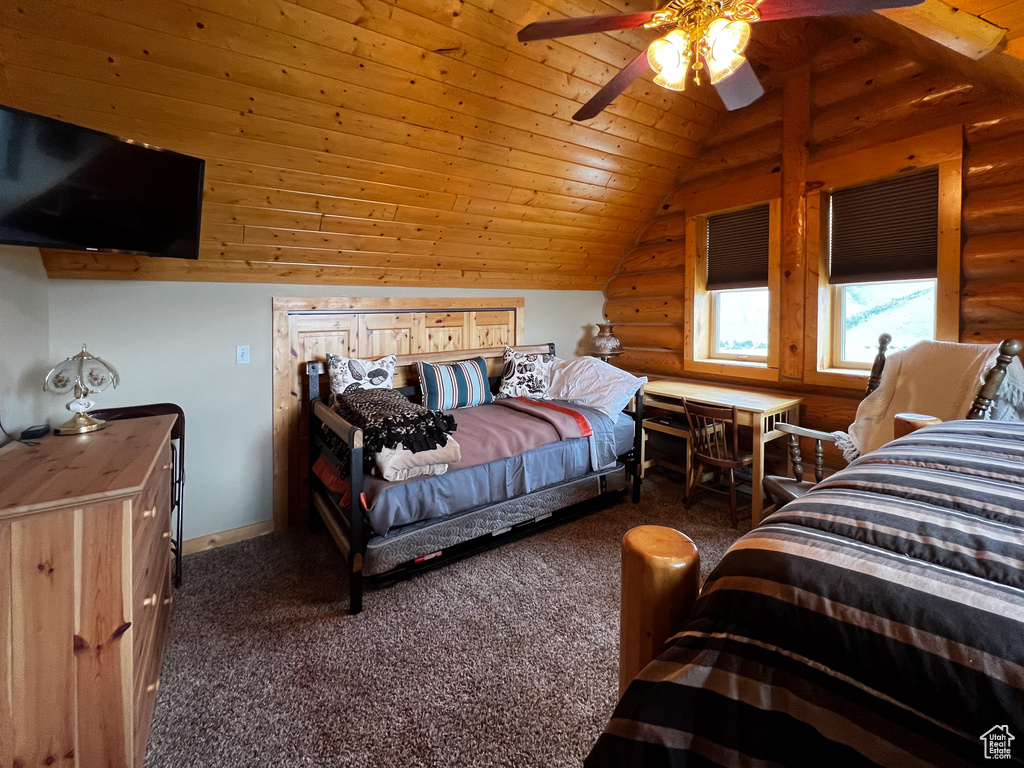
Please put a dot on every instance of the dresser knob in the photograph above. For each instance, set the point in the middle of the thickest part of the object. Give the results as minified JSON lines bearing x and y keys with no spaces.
{"x":149,"y":601}
{"x":167,"y":534}
{"x":149,"y":512}
{"x":167,"y":466}
{"x":167,"y":600}
{"x":153,"y":687}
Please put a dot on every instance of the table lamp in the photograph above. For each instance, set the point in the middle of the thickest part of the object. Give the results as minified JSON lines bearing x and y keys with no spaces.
{"x":606,"y":344}
{"x":85,"y":374}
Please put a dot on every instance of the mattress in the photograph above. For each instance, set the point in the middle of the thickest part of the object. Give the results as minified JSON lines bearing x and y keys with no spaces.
{"x":540,"y":460}
{"x":877,"y":621}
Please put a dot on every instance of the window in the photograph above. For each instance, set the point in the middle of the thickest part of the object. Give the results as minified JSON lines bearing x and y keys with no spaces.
{"x":882,"y":262}
{"x":737,"y":283}
{"x":905,"y":309}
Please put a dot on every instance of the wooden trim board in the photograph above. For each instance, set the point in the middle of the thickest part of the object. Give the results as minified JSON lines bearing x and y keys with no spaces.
{"x":223,"y":538}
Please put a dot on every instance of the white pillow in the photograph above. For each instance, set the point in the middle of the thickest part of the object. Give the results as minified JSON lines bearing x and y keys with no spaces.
{"x":349,"y":373}
{"x":526,"y":375}
{"x":594,"y":383}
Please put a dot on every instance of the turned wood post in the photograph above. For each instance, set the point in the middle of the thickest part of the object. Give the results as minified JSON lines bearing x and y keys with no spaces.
{"x":660,"y":579}
{"x":1008,"y":350}
{"x":879,"y":365}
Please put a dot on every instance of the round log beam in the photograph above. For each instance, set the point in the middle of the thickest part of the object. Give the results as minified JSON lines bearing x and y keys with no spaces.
{"x":654,"y":257}
{"x":988,"y":211}
{"x":668,"y":282}
{"x":666,"y":337}
{"x":656,"y":310}
{"x":994,"y":257}
{"x":994,"y":163}
{"x":861,"y":79}
{"x":993,"y":304}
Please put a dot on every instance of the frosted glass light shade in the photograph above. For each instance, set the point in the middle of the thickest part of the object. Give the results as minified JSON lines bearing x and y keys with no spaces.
{"x":669,"y":57}
{"x":726,"y":41}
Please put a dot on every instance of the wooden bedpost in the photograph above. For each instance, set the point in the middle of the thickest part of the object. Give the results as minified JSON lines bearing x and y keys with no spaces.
{"x":1008,"y":350}
{"x":660,"y":579}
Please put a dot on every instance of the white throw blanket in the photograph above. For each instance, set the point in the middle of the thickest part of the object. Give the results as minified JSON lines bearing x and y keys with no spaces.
{"x":934,"y":378}
{"x":399,"y":463}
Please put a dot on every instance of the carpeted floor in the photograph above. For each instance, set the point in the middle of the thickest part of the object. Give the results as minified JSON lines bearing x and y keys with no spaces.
{"x":507,"y":658}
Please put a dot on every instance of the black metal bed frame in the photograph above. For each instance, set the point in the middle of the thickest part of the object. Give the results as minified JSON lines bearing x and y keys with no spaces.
{"x":352,"y":532}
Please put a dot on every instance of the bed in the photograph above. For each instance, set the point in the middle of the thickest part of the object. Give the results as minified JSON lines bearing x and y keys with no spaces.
{"x":525,"y":464}
{"x":879,"y":620}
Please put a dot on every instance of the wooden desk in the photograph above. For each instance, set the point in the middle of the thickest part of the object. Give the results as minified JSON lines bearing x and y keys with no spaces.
{"x":760,"y":411}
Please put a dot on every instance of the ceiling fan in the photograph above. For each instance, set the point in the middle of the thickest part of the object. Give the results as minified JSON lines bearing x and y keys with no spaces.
{"x":699,"y":36}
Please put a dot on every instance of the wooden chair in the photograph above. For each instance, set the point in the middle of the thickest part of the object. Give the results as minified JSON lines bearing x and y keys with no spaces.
{"x":782,"y":490}
{"x":177,"y":459}
{"x":715,"y":441}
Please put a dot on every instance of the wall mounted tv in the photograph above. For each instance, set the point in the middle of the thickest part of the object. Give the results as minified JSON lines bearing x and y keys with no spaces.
{"x":64,"y":186}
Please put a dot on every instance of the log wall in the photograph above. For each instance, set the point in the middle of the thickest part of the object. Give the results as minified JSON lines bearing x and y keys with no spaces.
{"x":854,"y":95}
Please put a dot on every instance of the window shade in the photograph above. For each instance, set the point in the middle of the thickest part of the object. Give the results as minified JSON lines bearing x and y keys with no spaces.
{"x":888,"y":230}
{"x":738,"y":249}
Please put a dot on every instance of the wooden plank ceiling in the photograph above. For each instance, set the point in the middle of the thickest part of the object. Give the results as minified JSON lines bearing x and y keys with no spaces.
{"x":367,"y":141}
{"x":410,"y":142}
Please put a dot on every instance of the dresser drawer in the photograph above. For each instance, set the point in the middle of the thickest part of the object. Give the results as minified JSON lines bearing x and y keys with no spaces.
{"x":151,"y":509}
{"x":147,"y":672}
{"x":148,"y":600}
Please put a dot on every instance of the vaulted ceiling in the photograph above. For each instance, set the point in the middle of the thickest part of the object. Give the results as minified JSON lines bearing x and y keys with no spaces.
{"x":382,"y":141}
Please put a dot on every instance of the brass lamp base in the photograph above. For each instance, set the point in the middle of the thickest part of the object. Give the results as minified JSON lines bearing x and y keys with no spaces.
{"x":79,"y":425}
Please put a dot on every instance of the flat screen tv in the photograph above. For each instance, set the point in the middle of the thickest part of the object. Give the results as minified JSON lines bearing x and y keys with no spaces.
{"x":64,"y":186}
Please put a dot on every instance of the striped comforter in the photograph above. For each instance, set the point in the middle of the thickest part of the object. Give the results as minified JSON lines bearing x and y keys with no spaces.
{"x":878,"y":620}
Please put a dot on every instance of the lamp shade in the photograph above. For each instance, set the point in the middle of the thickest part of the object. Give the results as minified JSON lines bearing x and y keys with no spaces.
{"x":83,"y":374}
{"x":726,"y":40}
{"x":669,"y":57}
{"x":606,"y":344}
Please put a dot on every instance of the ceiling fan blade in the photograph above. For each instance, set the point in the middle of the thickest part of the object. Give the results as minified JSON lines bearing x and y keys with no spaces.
{"x":613,"y":88}
{"x":773,"y":10}
{"x":542,"y":30}
{"x":740,"y":88}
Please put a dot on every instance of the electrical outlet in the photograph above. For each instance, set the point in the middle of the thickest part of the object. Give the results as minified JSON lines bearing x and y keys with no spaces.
{"x":242,"y":355}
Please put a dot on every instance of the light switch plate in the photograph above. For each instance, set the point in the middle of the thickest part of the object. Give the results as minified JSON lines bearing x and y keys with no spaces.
{"x":242,"y":355}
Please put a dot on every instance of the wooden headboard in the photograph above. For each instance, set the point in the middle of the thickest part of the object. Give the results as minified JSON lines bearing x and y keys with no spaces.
{"x":305,"y":330}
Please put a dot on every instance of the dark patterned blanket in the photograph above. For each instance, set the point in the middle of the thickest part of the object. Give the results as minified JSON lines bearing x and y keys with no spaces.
{"x":388,"y":418}
{"x":877,"y":621}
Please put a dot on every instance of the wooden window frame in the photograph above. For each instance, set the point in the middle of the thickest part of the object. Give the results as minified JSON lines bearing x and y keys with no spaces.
{"x":942,"y":148}
{"x":698,"y":346}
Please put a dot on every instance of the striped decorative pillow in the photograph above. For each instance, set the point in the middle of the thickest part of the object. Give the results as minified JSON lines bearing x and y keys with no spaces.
{"x":455,"y":385}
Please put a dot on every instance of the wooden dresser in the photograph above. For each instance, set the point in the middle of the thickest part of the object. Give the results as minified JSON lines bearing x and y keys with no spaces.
{"x":85,"y":594}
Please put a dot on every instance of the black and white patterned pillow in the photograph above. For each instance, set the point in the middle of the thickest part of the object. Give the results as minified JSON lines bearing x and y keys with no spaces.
{"x":348,"y":373}
{"x":526,"y":375}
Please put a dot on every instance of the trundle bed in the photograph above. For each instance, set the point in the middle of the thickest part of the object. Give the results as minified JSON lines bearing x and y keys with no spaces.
{"x":523,"y":467}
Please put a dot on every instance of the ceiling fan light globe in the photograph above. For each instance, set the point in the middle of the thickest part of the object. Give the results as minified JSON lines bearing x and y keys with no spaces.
{"x":726,"y":40}
{"x":679,"y":84}
{"x":670,"y":53}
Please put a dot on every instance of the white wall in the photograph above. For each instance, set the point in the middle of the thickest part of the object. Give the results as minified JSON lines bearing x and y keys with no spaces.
{"x":175,"y":342}
{"x":24,"y":338}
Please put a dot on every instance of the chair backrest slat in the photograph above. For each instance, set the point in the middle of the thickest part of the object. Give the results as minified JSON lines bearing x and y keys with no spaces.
{"x":713,"y":432}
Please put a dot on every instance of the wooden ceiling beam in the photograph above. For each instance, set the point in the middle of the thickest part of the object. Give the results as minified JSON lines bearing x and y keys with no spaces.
{"x":954,"y":28}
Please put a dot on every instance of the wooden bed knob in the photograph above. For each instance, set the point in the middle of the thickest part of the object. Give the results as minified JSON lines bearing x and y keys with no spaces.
{"x":151,"y":512}
{"x":660,"y":579}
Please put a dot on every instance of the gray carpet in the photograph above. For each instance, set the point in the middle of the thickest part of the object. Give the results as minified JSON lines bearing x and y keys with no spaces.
{"x":507,"y":658}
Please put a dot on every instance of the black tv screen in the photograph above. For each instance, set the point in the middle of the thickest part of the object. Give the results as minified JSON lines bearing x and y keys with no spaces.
{"x":64,"y":186}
